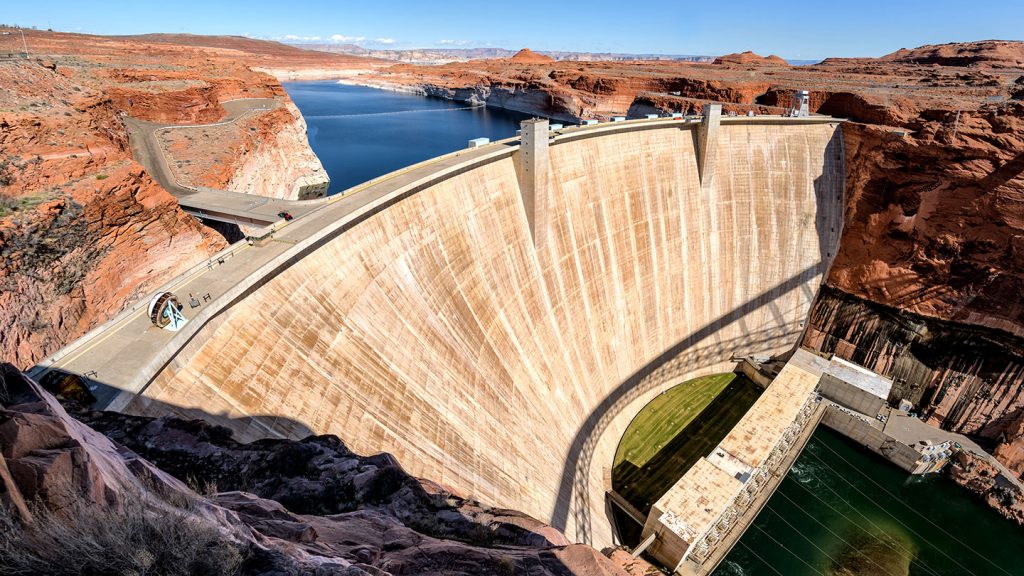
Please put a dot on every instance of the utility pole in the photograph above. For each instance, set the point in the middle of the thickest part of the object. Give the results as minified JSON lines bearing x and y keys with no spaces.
{"x":23,"y":43}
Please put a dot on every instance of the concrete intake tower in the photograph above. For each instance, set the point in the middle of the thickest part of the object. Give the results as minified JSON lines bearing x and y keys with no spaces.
{"x":497,"y":326}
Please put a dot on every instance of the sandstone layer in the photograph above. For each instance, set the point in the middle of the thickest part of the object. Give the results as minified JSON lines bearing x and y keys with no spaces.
{"x":84,"y":231}
{"x":261,"y":153}
{"x":748,"y":58}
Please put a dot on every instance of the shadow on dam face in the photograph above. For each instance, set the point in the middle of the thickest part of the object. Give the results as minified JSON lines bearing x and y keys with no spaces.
{"x":436,"y":330}
{"x":573,"y":494}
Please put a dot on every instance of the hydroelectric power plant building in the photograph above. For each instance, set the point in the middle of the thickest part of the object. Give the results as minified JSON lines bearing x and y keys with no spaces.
{"x":495,"y":318}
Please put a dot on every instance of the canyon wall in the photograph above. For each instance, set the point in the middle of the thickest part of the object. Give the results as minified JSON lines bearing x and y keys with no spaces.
{"x":264,"y":153}
{"x":77,"y":259}
{"x":436,"y":330}
{"x":84,"y":231}
{"x":282,"y":165}
{"x":927,"y":284}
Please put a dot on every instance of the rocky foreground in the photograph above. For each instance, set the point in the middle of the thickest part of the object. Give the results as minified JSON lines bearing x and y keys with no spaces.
{"x":112,"y":493}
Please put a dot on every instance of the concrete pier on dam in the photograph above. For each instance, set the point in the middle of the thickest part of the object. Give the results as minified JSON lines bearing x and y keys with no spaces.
{"x":497,"y":329}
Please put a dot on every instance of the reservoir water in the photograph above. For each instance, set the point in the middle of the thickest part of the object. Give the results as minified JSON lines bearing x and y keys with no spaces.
{"x":841,"y":510}
{"x":360,"y":133}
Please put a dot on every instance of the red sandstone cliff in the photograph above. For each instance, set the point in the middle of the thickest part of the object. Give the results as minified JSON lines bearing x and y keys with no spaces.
{"x":530,"y":57}
{"x":985,"y":53}
{"x":748,"y":58}
{"x":84,"y":231}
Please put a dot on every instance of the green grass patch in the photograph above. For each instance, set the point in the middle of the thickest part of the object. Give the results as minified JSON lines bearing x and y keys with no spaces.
{"x":9,"y":205}
{"x":674,"y":431}
{"x":665,"y":416}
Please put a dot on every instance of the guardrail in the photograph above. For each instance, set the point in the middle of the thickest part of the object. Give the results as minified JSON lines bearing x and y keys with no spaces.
{"x":50,"y":362}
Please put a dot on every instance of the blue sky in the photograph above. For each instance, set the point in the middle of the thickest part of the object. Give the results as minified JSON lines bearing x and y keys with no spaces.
{"x":792,"y":29}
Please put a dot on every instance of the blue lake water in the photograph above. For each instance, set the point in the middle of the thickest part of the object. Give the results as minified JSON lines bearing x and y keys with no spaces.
{"x":360,"y":133}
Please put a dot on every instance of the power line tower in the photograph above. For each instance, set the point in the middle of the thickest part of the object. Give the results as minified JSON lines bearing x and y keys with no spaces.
{"x":9,"y":44}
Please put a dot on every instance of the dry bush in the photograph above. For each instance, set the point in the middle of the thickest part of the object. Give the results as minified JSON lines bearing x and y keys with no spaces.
{"x":85,"y":540}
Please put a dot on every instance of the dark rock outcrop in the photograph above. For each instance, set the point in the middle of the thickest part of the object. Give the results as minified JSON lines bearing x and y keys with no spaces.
{"x":986,"y":481}
{"x":273,"y":506}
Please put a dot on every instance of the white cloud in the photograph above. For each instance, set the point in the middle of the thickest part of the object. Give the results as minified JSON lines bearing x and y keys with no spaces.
{"x":345,"y":39}
{"x":384,"y":40}
{"x":295,"y":38}
{"x":453,"y":42}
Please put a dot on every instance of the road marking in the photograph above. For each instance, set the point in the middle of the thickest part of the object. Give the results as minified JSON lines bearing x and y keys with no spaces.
{"x":140,"y":312}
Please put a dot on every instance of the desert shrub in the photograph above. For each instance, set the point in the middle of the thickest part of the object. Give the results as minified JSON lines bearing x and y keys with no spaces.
{"x":8,"y":205}
{"x":506,"y":566}
{"x":86,"y":540}
{"x":6,"y":171}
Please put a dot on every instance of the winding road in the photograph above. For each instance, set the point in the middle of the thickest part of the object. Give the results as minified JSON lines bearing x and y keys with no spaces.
{"x":209,"y":203}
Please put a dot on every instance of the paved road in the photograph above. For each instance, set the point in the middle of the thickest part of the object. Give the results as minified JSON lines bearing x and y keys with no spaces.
{"x":222,"y":205}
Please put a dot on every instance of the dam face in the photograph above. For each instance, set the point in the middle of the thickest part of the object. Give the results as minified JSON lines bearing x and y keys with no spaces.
{"x":436,"y":329}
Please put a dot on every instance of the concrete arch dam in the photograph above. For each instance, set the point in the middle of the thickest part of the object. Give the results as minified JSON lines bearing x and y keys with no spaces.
{"x":493,"y":329}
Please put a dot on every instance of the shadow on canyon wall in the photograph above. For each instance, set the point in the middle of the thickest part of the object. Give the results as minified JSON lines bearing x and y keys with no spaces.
{"x":955,"y":374}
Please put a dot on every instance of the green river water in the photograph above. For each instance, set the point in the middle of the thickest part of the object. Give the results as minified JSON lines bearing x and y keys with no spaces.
{"x":844,"y":510}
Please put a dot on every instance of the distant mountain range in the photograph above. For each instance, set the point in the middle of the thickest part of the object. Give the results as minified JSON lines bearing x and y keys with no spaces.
{"x":443,"y":55}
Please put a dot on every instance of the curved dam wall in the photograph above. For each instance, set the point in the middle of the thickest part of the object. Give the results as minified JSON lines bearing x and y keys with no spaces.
{"x":435,"y":330}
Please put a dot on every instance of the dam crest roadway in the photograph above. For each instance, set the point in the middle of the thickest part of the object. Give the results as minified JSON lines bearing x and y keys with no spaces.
{"x":494,"y":317}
